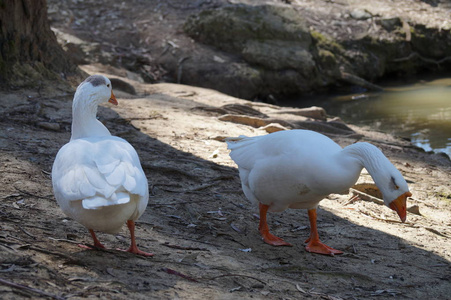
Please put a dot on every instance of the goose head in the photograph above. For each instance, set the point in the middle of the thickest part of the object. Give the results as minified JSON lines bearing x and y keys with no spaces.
{"x":395,"y":191}
{"x":386,"y":176}
{"x":96,"y":89}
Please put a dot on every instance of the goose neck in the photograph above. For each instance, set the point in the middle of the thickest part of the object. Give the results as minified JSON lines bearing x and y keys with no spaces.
{"x":84,"y":121}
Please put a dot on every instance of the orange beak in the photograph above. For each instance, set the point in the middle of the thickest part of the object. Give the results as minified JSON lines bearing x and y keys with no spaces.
{"x":399,"y":205}
{"x":112,"y":99}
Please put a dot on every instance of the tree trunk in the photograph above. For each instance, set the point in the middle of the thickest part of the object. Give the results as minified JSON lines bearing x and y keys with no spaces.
{"x":29,"y":52}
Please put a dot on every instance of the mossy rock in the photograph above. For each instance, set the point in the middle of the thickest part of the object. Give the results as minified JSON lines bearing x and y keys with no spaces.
{"x":229,"y":28}
{"x":430,"y":42}
{"x":273,"y":40}
{"x":279,"y":55}
{"x":325,"y":42}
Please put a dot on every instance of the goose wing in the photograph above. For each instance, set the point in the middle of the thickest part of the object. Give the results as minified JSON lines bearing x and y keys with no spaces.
{"x":99,"y":171}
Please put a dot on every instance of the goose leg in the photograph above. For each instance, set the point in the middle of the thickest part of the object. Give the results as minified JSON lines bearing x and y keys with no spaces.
{"x":264,"y":229}
{"x":133,"y":247}
{"x":97,"y":243}
{"x":313,"y":243}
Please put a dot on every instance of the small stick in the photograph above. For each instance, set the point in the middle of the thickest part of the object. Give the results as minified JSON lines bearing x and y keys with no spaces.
{"x":235,"y":275}
{"x":64,"y":240}
{"x":365,"y":196}
{"x":27,"y":233}
{"x":33,"y":195}
{"x":174,"y":272}
{"x":184,"y":248}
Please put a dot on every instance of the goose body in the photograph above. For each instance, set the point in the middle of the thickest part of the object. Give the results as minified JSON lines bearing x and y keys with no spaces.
{"x":97,"y":178}
{"x":298,"y":168}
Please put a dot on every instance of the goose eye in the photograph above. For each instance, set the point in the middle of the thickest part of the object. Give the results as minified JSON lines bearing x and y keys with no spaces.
{"x":108,"y":85}
{"x":394,"y":183}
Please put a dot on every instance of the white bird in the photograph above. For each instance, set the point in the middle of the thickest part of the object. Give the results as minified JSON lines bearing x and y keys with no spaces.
{"x":298,"y":168}
{"x":97,"y":178}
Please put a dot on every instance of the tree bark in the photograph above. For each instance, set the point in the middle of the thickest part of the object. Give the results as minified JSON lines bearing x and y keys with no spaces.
{"x":29,"y":51}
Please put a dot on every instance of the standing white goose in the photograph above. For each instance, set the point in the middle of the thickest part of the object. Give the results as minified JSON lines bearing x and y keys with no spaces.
{"x":97,"y":178}
{"x":298,"y":168}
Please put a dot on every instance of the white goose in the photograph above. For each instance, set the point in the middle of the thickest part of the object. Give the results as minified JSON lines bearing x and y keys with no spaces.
{"x":97,"y":178}
{"x":298,"y":168}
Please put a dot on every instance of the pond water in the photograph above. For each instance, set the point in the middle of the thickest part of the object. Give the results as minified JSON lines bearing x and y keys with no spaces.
{"x":421,"y":112}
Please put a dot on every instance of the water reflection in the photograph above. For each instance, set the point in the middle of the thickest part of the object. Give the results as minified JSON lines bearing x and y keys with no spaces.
{"x":421,"y":112}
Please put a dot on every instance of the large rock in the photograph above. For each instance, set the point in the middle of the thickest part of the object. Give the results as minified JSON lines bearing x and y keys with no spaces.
{"x":273,"y":40}
{"x":279,"y":55}
{"x":231,"y":27}
{"x":271,"y":51}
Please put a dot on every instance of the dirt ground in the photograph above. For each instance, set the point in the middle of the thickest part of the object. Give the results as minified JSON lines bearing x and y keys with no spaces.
{"x":198,"y":223}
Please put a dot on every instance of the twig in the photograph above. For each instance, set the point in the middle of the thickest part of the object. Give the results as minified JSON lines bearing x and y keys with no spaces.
{"x":352,"y":200}
{"x":173,"y":272}
{"x":180,"y":68}
{"x":64,"y":240}
{"x":236,"y":275}
{"x":27,"y":233}
{"x":353,"y":79}
{"x":435,"y":231}
{"x":364,"y":196}
{"x":10,"y":269}
{"x":184,"y":248}
{"x":33,"y":195}
{"x":29,"y":289}
{"x":201,"y":187}
{"x":424,"y":202}
{"x":386,"y":220}
{"x":425,"y":59}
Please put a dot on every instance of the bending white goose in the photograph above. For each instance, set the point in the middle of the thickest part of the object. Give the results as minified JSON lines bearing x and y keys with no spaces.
{"x":298,"y":168}
{"x":97,"y":178}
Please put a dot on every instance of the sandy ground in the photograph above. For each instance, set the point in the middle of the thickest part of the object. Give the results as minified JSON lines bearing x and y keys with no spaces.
{"x":198,"y":223}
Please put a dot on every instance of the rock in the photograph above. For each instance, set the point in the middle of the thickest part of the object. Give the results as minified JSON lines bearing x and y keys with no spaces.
{"x":134,"y":76}
{"x":414,"y":209}
{"x":242,"y":110}
{"x":247,"y":23}
{"x":279,"y":55}
{"x":273,"y":40}
{"x":325,"y":127}
{"x":49,"y":126}
{"x":245,"y":120}
{"x":123,"y":86}
{"x":287,"y":119}
{"x":391,"y":24}
{"x":273,"y":127}
{"x":314,"y":112}
{"x":353,"y":79}
{"x":76,"y":54}
{"x":238,"y":79}
{"x":360,"y":14}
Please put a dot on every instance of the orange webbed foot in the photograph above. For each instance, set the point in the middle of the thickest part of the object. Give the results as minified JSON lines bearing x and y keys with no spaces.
{"x":313,"y":243}
{"x":320,"y":248}
{"x":133,"y":247}
{"x":91,"y":247}
{"x":264,"y":229}
{"x":97,"y":244}
{"x":274,"y":240}
{"x":137,"y":252}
